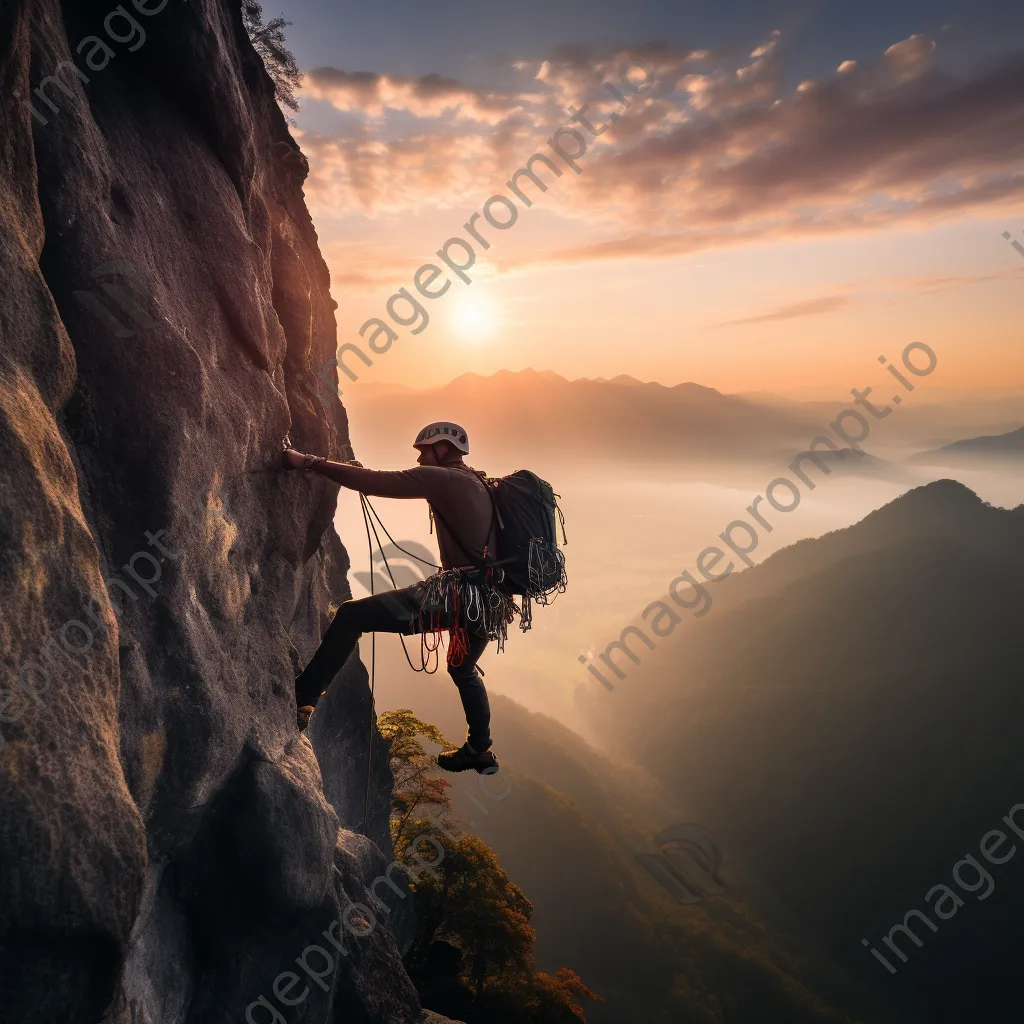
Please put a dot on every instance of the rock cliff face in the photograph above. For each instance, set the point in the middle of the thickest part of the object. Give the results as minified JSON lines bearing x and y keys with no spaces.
{"x":168,"y":845}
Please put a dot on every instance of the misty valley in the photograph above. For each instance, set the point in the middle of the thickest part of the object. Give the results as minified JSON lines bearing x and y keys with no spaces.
{"x":842,"y":719}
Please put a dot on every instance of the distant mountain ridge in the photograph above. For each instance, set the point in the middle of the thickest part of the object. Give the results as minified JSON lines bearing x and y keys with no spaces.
{"x":973,"y":450}
{"x":625,"y":418}
{"x":527,"y":412}
{"x":944,"y":509}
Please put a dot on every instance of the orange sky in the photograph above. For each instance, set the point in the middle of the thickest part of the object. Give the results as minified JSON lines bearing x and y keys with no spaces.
{"x":729,"y":229}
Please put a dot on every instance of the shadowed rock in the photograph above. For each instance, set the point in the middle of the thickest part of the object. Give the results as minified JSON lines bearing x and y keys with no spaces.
{"x":166,"y":844}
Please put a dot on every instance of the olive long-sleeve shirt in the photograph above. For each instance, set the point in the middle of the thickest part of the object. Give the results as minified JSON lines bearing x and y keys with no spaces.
{"x":456,"y":493}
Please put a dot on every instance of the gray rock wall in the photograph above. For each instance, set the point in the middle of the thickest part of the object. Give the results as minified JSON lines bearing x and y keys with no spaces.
{"x":166,"y":848}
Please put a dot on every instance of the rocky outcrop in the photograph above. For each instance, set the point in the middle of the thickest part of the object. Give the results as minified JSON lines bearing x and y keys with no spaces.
{"x":167,"y":851}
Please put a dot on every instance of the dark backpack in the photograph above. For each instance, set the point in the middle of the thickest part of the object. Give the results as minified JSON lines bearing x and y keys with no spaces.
{"x":532,"y":567}
{"x":525,"y":508}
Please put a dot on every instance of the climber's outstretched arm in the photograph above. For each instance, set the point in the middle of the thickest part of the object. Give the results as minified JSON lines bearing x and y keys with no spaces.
{"x":406,"y":483}
{"x":421,"y":482}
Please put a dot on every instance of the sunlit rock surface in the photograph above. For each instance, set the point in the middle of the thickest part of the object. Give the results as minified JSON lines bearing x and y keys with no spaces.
{"x":166,"y":847}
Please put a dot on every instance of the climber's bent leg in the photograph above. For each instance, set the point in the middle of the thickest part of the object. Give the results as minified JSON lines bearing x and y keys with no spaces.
{"x":393,"y":612}
{"x":474,"y":696}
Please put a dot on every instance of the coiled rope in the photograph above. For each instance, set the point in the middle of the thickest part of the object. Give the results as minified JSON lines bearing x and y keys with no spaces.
{"x":371,"y":520}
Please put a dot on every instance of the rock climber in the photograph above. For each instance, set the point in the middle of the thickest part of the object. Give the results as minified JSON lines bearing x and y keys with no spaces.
{"x":463,"y":598}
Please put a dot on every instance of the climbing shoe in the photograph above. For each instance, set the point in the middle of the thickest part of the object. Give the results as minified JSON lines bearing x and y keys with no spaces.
{"x":302,"y":717}
{"x":466,"y":758}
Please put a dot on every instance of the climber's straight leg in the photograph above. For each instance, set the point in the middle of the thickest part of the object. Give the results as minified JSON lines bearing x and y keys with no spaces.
{"x":337,"y":644}
{"x":473,"y":694}
{"x":396,"y":611}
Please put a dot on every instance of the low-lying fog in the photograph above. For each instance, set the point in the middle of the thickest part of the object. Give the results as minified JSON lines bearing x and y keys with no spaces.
{"x":630,"y":532}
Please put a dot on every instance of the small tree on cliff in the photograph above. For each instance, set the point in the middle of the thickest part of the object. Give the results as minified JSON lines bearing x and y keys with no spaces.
{"x":268,"y":41}
{"x":468,"y":902}
{"x":417,"y":788}
{"x":473,"y":902}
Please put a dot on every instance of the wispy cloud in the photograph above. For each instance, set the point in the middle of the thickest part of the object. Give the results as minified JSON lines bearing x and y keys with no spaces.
{"x":793,"y":311}
{"x":928,"y":285}
{"x":360,"y":267}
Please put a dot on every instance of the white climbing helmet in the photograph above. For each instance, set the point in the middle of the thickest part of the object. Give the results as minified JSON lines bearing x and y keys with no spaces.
{"x":443,"y":431}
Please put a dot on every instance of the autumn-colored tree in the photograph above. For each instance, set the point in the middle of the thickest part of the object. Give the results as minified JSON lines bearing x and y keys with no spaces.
{"x":548,"y":998}
{"x":465,"y":898}
{"x":468,"y":899}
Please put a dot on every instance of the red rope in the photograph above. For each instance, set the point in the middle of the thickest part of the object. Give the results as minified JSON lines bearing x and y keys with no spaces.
{"x":458,"y":636}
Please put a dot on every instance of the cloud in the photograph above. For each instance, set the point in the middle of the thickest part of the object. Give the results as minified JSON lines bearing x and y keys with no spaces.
{"x":843,"y":142}
{"x":434,"y":140}
{"x":928,"y":285}
{"x":359,"y":267}
{"x":716,"y":153}
{"x":722,"y":90}
{"x":836,"y":303}
{"x":430,"y":96}
{"x":911,"y":57}
{"x":793,"y":311}
{"x":399,"y":176}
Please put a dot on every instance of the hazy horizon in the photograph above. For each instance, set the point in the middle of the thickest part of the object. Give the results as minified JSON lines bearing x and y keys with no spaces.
{"x":370,"y":385}
{"x":629,"y":535}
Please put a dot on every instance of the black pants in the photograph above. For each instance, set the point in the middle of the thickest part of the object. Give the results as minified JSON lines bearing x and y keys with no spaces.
{"x":397,"y":611}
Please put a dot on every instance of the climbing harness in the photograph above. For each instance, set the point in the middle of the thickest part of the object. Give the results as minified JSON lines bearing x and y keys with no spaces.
{"x":526,"y":518}
{"x":468,"y":599}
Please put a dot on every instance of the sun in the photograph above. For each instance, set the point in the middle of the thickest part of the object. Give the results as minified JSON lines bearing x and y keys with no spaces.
{"x":474,"y":317}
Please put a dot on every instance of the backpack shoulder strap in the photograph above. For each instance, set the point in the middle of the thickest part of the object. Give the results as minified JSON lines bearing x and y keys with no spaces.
{"x":480,"y":560}
{"x":475,"y":560}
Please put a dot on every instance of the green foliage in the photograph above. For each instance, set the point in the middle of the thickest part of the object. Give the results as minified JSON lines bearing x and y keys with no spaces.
{"x":400,"y":729}
{"x":473,"y":904}
{"x":417,"y":787}
{"x":269,"y":42}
